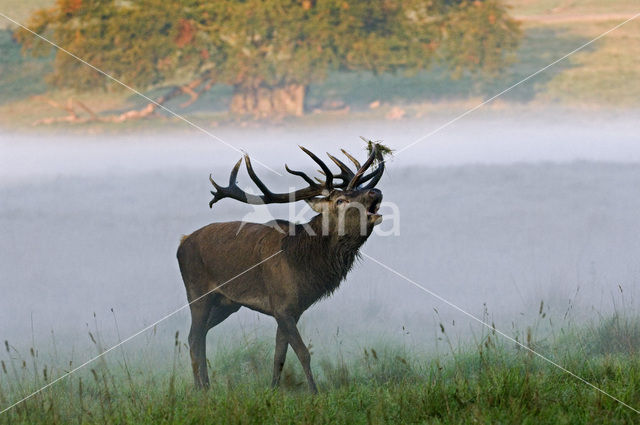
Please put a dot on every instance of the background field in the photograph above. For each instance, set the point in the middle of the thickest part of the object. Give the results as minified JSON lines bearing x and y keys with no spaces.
{"x":600,"y":76}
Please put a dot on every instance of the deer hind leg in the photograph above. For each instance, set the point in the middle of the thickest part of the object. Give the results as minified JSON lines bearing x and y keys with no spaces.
{"x":212,"y":311}
{"x":288,"y":325}
{"x":197,"y":341}
{"x":281,"y":354}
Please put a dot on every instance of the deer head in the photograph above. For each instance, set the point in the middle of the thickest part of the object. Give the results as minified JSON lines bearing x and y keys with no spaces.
{"x":347,"y":202}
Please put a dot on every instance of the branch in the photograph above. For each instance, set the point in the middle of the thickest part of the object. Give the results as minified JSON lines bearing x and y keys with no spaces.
{"x":195,"y":95}
{"x":190,"y":90}
{"x":73,"y":116}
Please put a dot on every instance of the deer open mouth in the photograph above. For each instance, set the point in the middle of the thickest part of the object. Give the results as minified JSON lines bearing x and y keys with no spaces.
{"x":372,"y":213}
{"x":373,"y":208}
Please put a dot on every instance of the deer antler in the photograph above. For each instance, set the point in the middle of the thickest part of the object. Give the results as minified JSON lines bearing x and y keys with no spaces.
{"x":348,"y":177}
{"x":376,"y":174}
{"x":232,"y":191}
{"x":268,"y":197}
{"x":352,"y":180}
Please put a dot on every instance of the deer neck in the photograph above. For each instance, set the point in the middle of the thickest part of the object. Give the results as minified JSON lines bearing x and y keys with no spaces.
{"x":330,"y":239}
{"x":325,"y":259}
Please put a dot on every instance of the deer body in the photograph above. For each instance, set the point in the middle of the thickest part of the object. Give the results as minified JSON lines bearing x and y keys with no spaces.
{"x":278,"y":268}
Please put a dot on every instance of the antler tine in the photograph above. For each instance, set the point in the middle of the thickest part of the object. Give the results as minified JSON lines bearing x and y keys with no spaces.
{"x":234,"y":173}
{"x":280,"y":198}
{"x":351,"y":158}
{"x":300,"y":174}
{"x":327,"y":172}
{"x":216,"y":195}
{"x":233,"y":191}
{"x":263,"y":188}
{"x":354,"y":181}
{"x":375,"y":175}
{"x":346,"y":174}
{"x":232,"y":177}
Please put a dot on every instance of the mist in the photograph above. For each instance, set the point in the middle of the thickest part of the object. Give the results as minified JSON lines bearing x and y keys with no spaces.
{"x":497,"y":213}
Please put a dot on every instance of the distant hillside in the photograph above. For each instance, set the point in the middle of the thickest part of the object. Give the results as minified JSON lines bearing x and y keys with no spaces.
{"x":601,"y":75}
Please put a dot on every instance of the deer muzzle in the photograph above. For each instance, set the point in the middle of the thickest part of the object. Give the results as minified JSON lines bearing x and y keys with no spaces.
{"x":375,"y":198}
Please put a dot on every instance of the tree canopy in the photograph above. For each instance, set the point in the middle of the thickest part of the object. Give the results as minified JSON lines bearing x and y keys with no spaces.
{"x":268,"y":50}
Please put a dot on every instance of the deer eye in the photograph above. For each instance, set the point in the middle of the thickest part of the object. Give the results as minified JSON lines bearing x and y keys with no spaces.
{"x":341,"y":201}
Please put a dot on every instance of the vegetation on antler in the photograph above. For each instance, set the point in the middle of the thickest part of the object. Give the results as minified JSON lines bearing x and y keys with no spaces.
{"x":382,"y":149}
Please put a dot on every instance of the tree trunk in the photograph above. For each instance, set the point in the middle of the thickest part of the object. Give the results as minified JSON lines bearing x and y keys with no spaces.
{"x":263,"y":102}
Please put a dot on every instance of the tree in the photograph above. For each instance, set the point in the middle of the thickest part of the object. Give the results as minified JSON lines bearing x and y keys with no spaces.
{"x":268,"y":50}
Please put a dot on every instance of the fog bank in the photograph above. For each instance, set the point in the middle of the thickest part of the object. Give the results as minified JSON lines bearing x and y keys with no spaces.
{"x":493,"y":214}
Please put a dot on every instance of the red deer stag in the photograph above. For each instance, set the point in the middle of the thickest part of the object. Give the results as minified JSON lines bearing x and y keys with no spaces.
{"x":223,"y":264}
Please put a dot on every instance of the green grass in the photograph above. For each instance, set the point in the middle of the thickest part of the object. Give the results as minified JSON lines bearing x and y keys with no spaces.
{"x":491,"y":381}
{"x":20,"y":76}
{"x":603,"y":75}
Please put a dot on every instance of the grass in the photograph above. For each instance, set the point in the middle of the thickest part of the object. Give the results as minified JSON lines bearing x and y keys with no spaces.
{"x":489,"y":381}
{"x":20,"y":76}
{"x":604,"y":75}
{"x":540,"y":8}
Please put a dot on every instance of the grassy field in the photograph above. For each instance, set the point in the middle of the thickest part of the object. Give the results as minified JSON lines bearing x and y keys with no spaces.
{"x":544,"y":9}
{"x":490,"y":381}
{"x":599,"y":76}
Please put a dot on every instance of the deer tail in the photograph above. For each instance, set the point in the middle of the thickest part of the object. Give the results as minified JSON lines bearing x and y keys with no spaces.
{"x":183,"y":238}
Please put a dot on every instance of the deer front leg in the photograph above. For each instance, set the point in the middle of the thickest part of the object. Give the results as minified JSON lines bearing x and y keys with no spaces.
{"x":288,"y":326}
{"x":281,"y":354}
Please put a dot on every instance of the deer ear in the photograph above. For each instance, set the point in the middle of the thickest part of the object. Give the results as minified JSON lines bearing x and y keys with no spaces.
{"x":318,"y":204}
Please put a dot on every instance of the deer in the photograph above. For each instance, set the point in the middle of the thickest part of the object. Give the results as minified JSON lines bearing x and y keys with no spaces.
{"x":279,"y":268}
